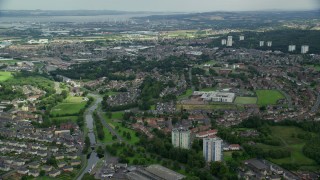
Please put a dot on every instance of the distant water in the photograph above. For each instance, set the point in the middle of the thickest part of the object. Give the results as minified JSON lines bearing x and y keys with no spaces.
{"x":75,"y":19}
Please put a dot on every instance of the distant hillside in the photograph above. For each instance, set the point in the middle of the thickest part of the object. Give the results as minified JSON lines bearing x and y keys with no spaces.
{"x":19,"y":13}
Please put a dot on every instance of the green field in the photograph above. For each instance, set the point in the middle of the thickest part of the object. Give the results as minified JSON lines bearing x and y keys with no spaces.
{"x":227,"y":155}
{"x":5,"y":76}
{"x":70,"y":106}
{"x":186,"y":94}
{"x":115,"y":122}
{"x":268,"y":97}
{"x":65,"y":119}
{"x":245,"y":100}
{"x":111,"y":93}
{"x":10,"y":62}
{"x":291,"y":143}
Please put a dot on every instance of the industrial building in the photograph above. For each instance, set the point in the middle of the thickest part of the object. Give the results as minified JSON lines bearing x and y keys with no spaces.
{"x":154,"y":172}
{"x":212,"y":150}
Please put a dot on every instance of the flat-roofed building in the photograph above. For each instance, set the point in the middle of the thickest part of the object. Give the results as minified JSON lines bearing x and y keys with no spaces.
{"x":215,"y":96}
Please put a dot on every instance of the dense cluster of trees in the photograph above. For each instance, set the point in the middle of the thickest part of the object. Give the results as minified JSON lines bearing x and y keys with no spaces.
{"x":6,"y":92}
{"x":109,"y":68}
{"x":150,"y":90}
{"x":86,"y":146}
{"x":312,"y":149}
{"x":99,"y":126}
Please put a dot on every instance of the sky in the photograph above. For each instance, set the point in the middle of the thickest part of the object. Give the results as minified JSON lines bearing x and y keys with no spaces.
{"x":161,"y":5}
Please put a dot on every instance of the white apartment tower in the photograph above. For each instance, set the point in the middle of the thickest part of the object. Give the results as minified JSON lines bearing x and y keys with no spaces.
{"x":229,"y":41}
{"x":212,"y":150}
{"x":304,"y":49}
{"x":241,"y":38}
{"x":261,"y":43}
{"x":181,"y":138}
{"x":292,"y":48}
{"x":223,"y":42}
{"x":269,"y":43}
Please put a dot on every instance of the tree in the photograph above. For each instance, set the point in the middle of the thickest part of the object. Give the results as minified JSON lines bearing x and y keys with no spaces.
{"x":52,"y":161}
{"x":42,"y":173}
{"x":100,"y":152}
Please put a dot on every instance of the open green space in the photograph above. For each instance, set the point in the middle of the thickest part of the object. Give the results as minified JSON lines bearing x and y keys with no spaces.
{"x":115,"y":123}
{"x":289,"y":141}
{"x":107,"y":136}
{"x":65,"y":119}
{"x":268,"y":97}
{"x":227,"y":155}
{"x":10,"y":62}
{"x":112,"y":93}
{"x":70,"y":106}
{"x":5,"y":76}
{"x":186,"y":94}
{"x":245,"y":100}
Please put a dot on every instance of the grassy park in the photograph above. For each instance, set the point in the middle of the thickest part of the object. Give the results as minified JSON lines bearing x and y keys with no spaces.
{"x":289,"y":141}
{"x":5,"y":76}
{"x":115,"y":123}
{"x":268,"y":97}
{"x":186,"y":94}
{"x":70,"y":106}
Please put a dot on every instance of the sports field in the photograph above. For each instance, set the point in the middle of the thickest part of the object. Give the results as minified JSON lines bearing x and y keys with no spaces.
{"x":5,"y":76}
{"x":268,"y":97}
{"x":245,"y":100}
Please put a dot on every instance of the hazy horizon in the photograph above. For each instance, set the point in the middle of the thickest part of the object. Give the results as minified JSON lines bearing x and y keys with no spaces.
{"x":163,"y":6}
